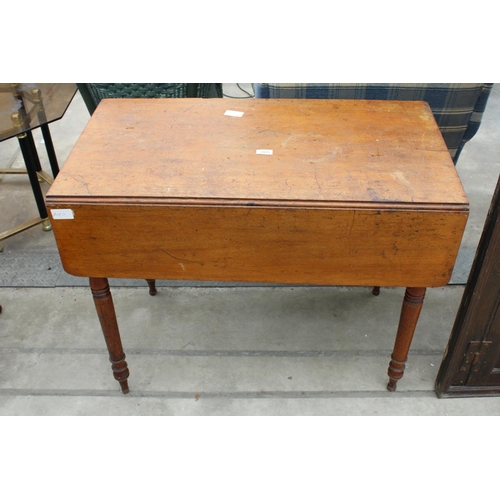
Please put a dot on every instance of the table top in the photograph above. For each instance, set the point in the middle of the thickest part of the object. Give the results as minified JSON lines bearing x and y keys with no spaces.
{"x":324,"y":152}
{"x":25,"y":106}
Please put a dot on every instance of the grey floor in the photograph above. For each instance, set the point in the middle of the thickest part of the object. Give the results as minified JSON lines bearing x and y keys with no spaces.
{"x":215,"y":349}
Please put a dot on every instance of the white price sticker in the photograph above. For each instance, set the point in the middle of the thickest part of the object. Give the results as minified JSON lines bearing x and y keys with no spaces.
{"x":264,"y":151}
{"x":237,"y":114}
{"x":62,"y":213}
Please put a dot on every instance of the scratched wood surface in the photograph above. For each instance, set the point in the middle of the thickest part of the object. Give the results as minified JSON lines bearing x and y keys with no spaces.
{"x":323,"y":151}
{"x":273,"y":245}
{"x":355,"y":193}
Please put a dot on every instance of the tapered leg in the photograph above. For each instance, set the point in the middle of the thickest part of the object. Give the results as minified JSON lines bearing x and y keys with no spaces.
{"x":106,"y":312}
{"x":412,"y":304}
{"x":152,"y":287}
{"x":376,"y":290}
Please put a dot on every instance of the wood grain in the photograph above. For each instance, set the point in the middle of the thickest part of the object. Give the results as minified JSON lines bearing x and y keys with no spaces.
{"x":105,"y":309}
{"x":309,"y":246}
{"x":410,"y":311}
{"x":323,"y":151}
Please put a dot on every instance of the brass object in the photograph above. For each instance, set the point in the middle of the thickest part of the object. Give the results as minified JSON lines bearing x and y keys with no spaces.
{"x":16,"y":118}
{"x":18,"y":121}
{"x":46,"y":225}
{"x":26,"y":225}
{"x":42,"y":175}
{"x":45,"y":177}
{"x":13,"y":171}
{"x":37,"y":95}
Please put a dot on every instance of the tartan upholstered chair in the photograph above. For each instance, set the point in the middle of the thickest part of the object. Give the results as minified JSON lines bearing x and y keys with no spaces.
{"x":457,"y":107}
{"x":92,"y":93}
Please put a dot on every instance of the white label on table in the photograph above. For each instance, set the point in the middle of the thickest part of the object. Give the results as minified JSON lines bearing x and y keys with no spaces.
{"x":230,"y":112}
{"x":264,"y":151}
{"x":62,"y":213}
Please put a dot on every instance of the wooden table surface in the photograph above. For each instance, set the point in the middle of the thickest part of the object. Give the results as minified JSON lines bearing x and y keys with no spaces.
{"x":354,"y":193}
{"x":324,"y":151}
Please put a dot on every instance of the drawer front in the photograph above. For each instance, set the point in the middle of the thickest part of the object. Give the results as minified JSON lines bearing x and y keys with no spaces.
{"x":253,"y":244}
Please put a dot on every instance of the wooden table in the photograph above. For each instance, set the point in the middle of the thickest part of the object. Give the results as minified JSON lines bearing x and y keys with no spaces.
{"x":318,"y":192}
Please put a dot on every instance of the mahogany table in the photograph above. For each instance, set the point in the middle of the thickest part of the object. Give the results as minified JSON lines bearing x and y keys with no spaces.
{"x":317,"y":192}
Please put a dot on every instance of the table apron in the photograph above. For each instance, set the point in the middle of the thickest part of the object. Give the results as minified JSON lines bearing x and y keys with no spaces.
{"x":258,"y":244}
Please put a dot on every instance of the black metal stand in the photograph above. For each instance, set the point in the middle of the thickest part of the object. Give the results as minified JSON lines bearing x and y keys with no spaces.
{"x":49,"y":146}
{"x":32,"y":162}
{"x":23,"y":121}
{"x":35,"y":174}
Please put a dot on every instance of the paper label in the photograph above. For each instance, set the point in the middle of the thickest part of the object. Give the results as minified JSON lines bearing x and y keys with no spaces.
{"x":264,"y":151}
{"x":230,"y":112}
{"x":62,"y":213}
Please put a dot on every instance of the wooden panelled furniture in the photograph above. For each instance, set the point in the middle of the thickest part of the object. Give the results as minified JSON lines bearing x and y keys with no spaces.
{"x":471,"y":364}
{"x":318,"y":192}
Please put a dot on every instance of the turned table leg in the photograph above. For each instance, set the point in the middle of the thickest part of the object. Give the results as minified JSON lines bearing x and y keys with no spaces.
{"x":106,"y":312}
{"x":152,"y":287}
{"x":412,"y":304}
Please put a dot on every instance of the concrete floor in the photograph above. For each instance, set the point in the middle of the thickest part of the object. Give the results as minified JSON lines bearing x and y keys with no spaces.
{"x":220,"y":350}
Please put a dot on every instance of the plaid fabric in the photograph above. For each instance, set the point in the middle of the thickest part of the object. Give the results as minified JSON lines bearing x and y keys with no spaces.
{"x":457,"y":107}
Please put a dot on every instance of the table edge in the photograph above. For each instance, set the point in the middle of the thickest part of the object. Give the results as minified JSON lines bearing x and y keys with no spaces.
{"x":258,"y":203}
